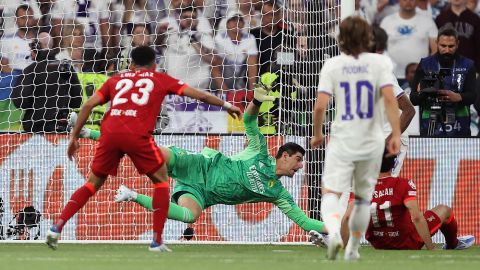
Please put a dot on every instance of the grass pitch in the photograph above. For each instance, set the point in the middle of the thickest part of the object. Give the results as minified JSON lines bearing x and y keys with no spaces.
{"x":230,"y":257}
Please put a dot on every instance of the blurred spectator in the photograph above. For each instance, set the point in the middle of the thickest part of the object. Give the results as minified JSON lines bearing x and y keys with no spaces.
{"x":473,"y":6}
{"x":238,"y":50}
{"x":250,"y":9}
{"x":72,"y":46}
{"x":14,"y":49}
{"x":467,"y":24}
{"x":271,"y":36}
{"x":92,"y":14}
{"x":377,"y":10}
{"x":188,"y":53}
{"x":215,"y":10}
{"x":410,"y":36}
{"x":437,"y":7}
{"x":445,"y":111}
{"x":8,"y":10}
{"x":277,"y":48}
{"x":140,"y":36}
{"x":409,"y":76}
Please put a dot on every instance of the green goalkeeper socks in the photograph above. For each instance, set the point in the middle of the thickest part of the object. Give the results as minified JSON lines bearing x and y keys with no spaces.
{"x":175,"y":211}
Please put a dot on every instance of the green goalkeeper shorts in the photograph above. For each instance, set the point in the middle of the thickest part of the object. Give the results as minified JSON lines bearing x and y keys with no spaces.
{"x":189,"y":169}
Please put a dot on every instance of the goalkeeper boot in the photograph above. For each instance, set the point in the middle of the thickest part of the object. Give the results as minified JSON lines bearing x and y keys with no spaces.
{"x":156,"y":247}
{"x":52,"y":237}
{"x":72,"y":121}
{"x":335,"y":243}
{"x":318,"y":239}
{"x":464,"y":242}
{"x":124,"y":194}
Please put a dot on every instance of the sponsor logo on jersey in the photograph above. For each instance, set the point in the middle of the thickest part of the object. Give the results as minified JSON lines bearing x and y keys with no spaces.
{"x":271,"y":183}
{"x":412,"y":184}
{"x":431,"y":218}
{"x":254,"y":180}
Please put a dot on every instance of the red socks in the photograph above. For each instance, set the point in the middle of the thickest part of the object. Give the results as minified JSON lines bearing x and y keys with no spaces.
{"x":77,"y":201}
{"x":160,"y":203}
{"x":449,"y":230}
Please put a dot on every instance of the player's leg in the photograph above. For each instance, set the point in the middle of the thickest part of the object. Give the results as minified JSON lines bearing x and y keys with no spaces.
{"x":187,"y":209}
{"x":345,"y":230}
{"x":149,"y":159}
{"x":365,"y":176}
{"x":444,"y":220}
{"x":78,"y":199}
{"x":401,"y":156}
{"x":160,"y":205}
{"x":105,"y":162}
{"x":336,"y":180}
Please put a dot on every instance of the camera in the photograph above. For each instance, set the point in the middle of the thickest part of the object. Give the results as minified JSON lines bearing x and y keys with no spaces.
{"x":431,"y":84}
{"x":27,"y":225}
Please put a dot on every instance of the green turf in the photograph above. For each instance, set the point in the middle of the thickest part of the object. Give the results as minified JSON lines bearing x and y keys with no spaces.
{"x":229,"y":257}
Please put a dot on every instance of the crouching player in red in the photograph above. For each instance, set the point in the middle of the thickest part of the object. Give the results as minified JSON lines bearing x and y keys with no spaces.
{"x":135,"y":99}
{"x":396,"y":220}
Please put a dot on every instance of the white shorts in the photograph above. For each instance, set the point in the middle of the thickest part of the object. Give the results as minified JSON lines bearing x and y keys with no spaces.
{"x":339,"y":173}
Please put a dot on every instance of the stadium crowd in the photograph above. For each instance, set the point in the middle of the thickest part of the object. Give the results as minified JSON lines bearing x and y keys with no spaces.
{"x":214,"y":45}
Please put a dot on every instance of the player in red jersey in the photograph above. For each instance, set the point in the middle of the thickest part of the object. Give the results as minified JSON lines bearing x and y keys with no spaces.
{"x":135,"y":99}
{"x":396,"y":220}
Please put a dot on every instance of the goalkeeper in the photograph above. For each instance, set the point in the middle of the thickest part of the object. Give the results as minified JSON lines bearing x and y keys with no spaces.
{"x":209,"y":177}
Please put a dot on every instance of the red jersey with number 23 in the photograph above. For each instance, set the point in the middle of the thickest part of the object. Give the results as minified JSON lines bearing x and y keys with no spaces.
{"x":390,"y":225}
{"x":135,"y":100}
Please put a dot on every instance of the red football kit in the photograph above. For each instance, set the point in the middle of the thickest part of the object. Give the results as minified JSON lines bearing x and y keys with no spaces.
{"x":391,"y":226}
{"x":135,"y":100}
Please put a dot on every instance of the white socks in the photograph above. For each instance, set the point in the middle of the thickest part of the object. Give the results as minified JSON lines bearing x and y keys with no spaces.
{"x":358,"y":224}
{"x":331,"y":213}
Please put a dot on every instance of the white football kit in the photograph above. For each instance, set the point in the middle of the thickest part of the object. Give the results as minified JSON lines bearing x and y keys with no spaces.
{"x":357,"y":139}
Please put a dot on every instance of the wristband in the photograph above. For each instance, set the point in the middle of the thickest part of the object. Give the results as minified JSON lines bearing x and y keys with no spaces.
{"x":227,"y":105}
{"x":257,"y":102}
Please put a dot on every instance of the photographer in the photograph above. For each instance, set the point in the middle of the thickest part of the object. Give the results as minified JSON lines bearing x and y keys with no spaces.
{"x":445,"y":84}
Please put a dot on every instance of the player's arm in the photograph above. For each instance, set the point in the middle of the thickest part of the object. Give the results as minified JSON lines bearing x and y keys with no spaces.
{"x":286,"y":204}
{"x":391,"y":107}
{"x":408,"y":112}
{"x":85,"y":111}
{"x":206,"y":97}
{"x":318,"y":118}
{"x":256,"y":140}
{"x":420,"y":223}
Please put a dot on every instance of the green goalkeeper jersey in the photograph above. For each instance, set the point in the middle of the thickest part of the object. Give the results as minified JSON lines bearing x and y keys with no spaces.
{"x":249,"y":176}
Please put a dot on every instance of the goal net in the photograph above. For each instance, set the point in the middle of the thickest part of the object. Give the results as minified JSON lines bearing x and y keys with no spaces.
{"x":68,"y":49}
{"x":55,"y":55}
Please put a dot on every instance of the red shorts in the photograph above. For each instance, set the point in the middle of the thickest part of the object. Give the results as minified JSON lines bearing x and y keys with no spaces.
{"x":142,"y":150}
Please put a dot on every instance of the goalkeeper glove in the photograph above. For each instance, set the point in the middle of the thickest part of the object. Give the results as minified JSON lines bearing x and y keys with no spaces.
{"x":318,"y":239}
{"x":262,"y":89}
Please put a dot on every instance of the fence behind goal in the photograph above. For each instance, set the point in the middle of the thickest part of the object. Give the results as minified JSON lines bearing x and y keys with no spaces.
{"x":34,"y":169}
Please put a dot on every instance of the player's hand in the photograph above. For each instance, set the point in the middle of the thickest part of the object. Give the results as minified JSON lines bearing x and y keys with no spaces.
{"x":317,"y":141}
{"x":318,"y":239}
{"x":73,"y":146}
{"x":393,"y":145}
{"x":235,"y":112}
{"x":261,"y":90}
{"x":261,"y":93}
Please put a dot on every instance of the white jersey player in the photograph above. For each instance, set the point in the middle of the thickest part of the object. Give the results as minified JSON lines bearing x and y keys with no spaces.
{"x":361,"y":83}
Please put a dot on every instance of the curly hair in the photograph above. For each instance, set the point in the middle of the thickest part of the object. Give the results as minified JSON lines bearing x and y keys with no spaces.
{"x":355,"y":36}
